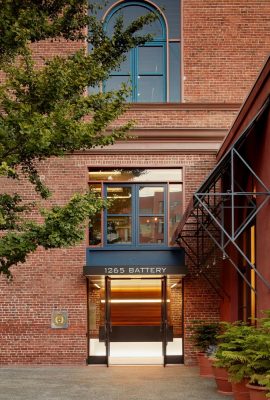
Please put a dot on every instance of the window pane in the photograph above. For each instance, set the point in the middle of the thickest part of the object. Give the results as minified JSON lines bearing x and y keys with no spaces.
{"x":115,"y":82}
{"x":121,"y":197}
{"x":151,"y":59}
{"x":95,"y":230}
{"x":175,"y":207}
{"x":119,"y":230}
{"x":96,"y":316}
{"x":171,"y":10}
{"x":124,"y":67}
{"x":174,"y":72}
{"x":129,"y":14}
{"x":151,"y":89}
{"x":151,"y":230}
{"x":95,"y":222}
{"x":94,"y":89}
{"x":136,"y":175}
{"x":151,"y":200}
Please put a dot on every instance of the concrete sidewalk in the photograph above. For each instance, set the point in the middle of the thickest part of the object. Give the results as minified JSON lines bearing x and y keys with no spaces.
{"x":100,"y":383}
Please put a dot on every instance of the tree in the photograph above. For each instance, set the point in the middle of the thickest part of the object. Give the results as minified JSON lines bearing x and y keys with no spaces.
{"x":45,"y":112}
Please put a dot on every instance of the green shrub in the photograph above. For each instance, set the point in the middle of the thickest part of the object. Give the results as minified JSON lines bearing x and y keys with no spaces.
{"x":258,"y":353}
{"x":231,"y":351}
{"x":244,"y":351}
{"x":204,"y":335}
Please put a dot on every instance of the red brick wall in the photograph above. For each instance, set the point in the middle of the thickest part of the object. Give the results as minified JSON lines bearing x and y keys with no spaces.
{"x":175,"y":309}
{"x":204,"y":118}
{"x":53,"y":279}
{"x":226,"y":43}
{"x":94,"y":299}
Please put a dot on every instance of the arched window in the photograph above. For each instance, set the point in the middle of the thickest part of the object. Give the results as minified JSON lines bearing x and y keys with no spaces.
{"x":145,"y":67}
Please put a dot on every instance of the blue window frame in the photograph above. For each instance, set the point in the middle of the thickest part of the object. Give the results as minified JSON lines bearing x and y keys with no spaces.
{"x":137,"y":216}
{"x":119,"y":216}
{"x":145,"y":67}
{"x":147,"y":207}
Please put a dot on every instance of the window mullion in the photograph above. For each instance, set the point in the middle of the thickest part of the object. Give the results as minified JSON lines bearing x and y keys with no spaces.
{"x":165,"y":72}
{"x":166,"y":214}
{"x":105,"y":215}
{"x":135,"y":218}
{"x":135,"y":74}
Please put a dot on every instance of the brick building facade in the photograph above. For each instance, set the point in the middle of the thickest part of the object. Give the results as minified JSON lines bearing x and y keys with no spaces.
{"x":223,"y":47}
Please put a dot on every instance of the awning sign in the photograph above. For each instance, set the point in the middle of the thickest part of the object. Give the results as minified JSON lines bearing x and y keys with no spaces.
{"x":134,"y":270}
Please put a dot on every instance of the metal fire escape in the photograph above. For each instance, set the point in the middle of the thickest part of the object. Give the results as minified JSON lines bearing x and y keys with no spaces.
{"x":222,"y":209}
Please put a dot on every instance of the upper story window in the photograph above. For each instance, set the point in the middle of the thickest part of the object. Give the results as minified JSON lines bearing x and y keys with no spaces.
{"x":146,"y":208}
{"x":153,"y":70}
{"x":145,"y":67}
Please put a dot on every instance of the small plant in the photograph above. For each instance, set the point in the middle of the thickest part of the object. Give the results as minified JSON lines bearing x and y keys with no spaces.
{"x":232,"y":350}
{"x":205,"y":336}
{"x":244,"y":351}
{"x":258,"y":353}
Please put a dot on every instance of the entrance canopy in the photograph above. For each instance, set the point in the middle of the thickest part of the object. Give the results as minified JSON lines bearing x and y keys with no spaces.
{"x":135,"y":262}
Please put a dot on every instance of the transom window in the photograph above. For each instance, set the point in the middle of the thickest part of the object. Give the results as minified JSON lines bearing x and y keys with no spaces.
{"x":139,"y":214}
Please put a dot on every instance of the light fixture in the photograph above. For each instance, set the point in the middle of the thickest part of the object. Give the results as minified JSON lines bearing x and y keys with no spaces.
{"x":175,"y":284}
{"x":135,"y":301}
{"x":105,"y":173}
{"x":97,"y":286}
{"x":115,"y":189}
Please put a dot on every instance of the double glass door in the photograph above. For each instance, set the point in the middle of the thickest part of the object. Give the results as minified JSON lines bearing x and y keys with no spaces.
{"x":144,"y":335}
{"x":135,"y":320}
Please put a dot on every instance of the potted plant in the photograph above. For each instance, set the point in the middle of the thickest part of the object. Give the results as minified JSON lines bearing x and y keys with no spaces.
{"x":204,"y":336}
{"x":258,"y":354}
{"x":232,"y":356}
{"x":220,"y":364}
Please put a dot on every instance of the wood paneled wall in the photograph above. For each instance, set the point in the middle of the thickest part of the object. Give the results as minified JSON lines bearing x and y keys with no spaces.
{"x":136,"y":313}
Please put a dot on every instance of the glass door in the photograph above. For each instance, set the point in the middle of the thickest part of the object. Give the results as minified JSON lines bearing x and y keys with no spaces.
{"x":108,"y":325}
{"x":135,"y":312}
{"x":135,"y":320}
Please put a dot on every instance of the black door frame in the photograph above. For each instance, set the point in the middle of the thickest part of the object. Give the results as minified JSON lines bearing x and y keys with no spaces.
{"x":164,"y":318}
{"x":108,"y":323}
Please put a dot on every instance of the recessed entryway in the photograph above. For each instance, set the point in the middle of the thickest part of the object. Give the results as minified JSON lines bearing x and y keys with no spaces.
{"x":135,"y":320}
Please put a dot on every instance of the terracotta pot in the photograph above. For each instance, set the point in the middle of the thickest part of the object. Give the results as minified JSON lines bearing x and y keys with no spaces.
{"x":205,"y":366}
{"x":221,"y":377}
{"x":240,"y":390}
{"x":257,"y":392}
